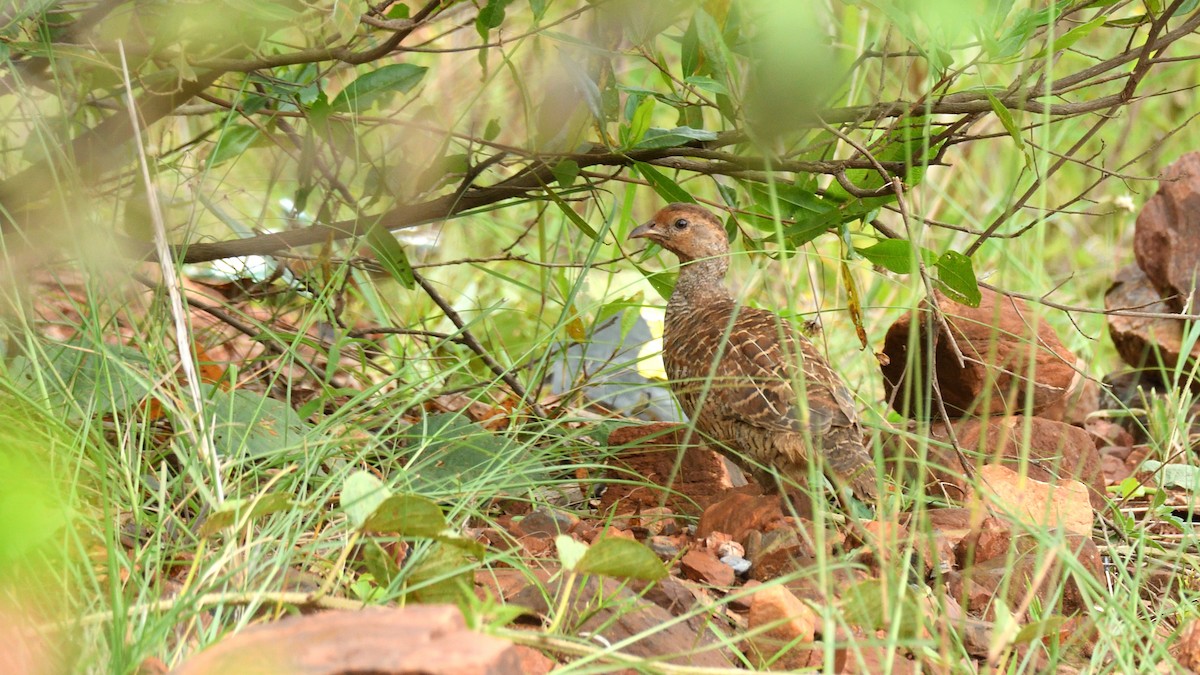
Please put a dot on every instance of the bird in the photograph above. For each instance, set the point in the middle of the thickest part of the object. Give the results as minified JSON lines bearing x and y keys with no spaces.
{"x":744,"y":376}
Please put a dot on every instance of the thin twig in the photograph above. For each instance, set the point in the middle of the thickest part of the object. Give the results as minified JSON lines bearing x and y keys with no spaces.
{"x":474,"y":345}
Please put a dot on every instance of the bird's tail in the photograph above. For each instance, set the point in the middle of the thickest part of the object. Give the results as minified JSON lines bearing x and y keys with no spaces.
{"x":850,"y":465}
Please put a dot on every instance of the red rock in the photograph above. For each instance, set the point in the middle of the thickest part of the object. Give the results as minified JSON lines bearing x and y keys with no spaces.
{"x":545,"y":522}
{"x":1121,"y":452}
{"x":1114,"y":469}
{"x":990,"y":540}
{"x":1107,"y":433}
{"x":997,"y":344}
{"x":1035,"y":503}
{"x":1166,"y":240}
{"x":740,"y":600}
{"x":659,"y":521}
{"x":1019,"y":573}
{"x":537,"y":547}
{"x":505,"y":582}
{"x":884,"y":542}
{"x":739,"y":514}
{"x":973,"y":595}
{"x":786,"y":624}
{"x":1054,"y":450}
{"x":704,"y":567}
{"x":612,"y":612}
{"x":699,"y":479}
{"x":779,"y":552}
{"x":666,"y":548}
{"x":1144,"y":342}
{"x":417,"y":638}
{"x":869,"y":659}
{"x":1187,"y":646}
{"x":669,"y":593}
{"x":534,"y":662}
{"x":151,"y":665}
{"x":617,"y":532}
{"x":940,"y":531}
{"x":1082,"y":399}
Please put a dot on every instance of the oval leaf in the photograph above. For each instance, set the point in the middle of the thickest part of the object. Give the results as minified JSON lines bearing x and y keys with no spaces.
{"x":234,"y":141}
{"x":377,"y":85}
{"x":621,"y":558}
{"x":391,"y":255}
{"x":665,"y":187}
{"x":362,"y":493}
{"x":570,"y":552}
{"x":407,"y":516}
{"x":655,"y":138}
{"x":958,"y":278}
{"x":895,"y":255}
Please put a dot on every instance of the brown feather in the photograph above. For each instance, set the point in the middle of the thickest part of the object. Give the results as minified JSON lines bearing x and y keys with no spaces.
{"x":737,"y":370}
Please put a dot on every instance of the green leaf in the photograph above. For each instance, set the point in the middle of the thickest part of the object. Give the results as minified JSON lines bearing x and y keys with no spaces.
{"x":870,"y":605}
{"x":492,"y":130}
{"x":391,"y":255}
{"x":408,"y":516}
{"x":344,"y":18}
{"x":380,"y":563}
{"x":235,"y":139}
{"x":895,"y":255}
{"x":622,"y":559}
{"x":40,"y":497}
{"x":810,"y":226}
{"x":1011,"y":127}
{"x":712,"y":45}
{"x":789,"y":199}
{"x":491,"y":16}
{"x":451,"y":450}
{"x":1006,"y":119}
{"x":662,"y":282}
{"x":570,"y":552}
{"x":906,"y":145}
{"x":655,"y":138}
{"x":1181,"y":476}
{"x":378,"y":86}
{"x":689,"y":49}
{"x":707,"y":84}
{"x":1045,"y":627}
{"x":1072,"y":36}
{"x":443,"y":575}
{"x":957,"y":276}
{"x":665,"y":187}
{"x":576,"y":219}
{"x":362,"y":493}
{"x":83,"y":376}
{"x":565,"y":173}
{"x":640,"y":122}
{"x":231,"y":510}
{"x":250,"y":423}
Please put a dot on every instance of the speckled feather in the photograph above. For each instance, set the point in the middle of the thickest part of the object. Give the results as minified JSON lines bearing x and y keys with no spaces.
{"x":736,"y":369}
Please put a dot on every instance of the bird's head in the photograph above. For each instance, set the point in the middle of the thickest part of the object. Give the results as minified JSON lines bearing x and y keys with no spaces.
{"x":689,"y":231}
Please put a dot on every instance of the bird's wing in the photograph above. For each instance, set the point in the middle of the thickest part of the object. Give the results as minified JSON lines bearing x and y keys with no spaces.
{"x":761,"y":375}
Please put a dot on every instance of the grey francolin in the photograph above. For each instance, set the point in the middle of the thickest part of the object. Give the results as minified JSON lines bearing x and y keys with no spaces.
{"x":743,"y":375}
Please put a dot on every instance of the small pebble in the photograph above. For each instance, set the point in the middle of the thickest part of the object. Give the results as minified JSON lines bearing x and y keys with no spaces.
{"x":731,"y":548}
{"x":737,"y":562}
{"x":664,"y":547}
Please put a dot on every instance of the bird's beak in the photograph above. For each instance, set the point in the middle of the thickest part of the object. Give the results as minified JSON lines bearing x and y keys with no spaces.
{"x":642,"y":231}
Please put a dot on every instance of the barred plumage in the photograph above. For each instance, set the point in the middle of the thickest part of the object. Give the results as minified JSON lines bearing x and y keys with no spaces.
{"x":734,"y":368}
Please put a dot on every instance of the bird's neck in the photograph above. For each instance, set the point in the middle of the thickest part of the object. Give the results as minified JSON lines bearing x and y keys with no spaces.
{"x":701,"y":281}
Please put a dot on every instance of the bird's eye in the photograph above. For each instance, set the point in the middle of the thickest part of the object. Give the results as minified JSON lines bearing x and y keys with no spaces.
{"x":681,"y":224}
